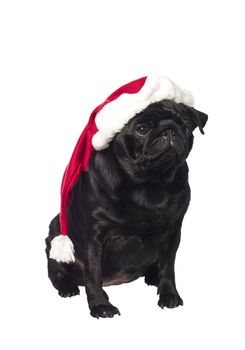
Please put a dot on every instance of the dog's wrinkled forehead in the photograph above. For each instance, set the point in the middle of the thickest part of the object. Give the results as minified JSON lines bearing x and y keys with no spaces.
{"x":165,"y":109}
{"x":176,"y":112}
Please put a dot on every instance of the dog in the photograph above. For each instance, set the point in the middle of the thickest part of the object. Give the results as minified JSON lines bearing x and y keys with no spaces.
{"x":127,"y":209}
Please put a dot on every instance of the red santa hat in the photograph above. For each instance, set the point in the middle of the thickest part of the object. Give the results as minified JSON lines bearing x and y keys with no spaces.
{"x":104,"y":123}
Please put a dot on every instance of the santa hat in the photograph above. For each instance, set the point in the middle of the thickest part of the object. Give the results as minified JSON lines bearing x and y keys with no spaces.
{"x":104,"y":123}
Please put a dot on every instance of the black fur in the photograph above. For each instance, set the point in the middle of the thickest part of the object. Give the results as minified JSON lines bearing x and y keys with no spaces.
{"x":126,"y":211}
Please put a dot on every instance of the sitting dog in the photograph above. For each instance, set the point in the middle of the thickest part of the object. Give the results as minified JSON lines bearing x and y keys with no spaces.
{"x":125,"y":210}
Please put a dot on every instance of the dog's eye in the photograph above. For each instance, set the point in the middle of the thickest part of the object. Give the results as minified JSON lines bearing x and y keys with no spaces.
{"x":143,"y":130}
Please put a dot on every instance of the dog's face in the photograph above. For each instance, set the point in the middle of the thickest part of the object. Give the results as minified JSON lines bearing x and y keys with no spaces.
{"x":157,"y":140}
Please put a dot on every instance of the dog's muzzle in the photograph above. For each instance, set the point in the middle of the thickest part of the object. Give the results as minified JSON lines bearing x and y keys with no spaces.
{"x":169,"y":136}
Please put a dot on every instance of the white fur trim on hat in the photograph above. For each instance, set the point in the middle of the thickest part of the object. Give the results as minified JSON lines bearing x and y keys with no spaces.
{"x":62,"y":249}
{"x":114,"y":115}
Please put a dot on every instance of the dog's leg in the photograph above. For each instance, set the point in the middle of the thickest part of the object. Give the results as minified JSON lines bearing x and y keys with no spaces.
{"x":97,"y":298}
{"x":60,"y":275}
{"x":169,"y":296}
{"x":152,"y":275}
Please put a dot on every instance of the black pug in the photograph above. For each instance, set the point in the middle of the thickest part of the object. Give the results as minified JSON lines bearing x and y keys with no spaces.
{"x":125,"y":220}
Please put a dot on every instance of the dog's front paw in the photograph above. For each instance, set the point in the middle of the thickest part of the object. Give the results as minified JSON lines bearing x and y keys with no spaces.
{"x":104,"y":311}
{"x":170,"y":300}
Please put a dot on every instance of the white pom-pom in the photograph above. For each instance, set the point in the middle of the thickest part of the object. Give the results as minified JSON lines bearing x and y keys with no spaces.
{"x":62,"y":249}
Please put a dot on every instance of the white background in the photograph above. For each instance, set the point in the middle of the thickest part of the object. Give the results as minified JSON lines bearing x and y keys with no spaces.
{"x":59,"y":60}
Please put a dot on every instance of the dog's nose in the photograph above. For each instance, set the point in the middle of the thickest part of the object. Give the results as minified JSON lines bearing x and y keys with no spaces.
{"x":169,"y":135}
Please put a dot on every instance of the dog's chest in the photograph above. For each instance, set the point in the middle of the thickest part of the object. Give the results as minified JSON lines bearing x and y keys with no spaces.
{"x":139,"y":227}
{"x":148,"y":207}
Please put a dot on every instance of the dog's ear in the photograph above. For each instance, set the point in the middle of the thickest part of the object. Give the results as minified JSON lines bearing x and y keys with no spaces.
{"x":106,"y":169}
{"x":198,"y":118}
